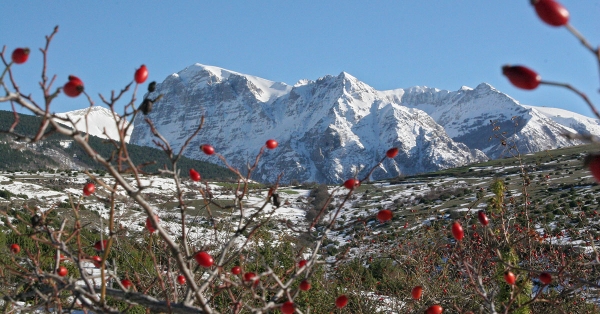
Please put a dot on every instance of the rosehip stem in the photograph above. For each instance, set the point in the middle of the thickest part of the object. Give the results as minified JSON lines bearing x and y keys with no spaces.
{"x":576,"y":91}
{"x":583,"y":40}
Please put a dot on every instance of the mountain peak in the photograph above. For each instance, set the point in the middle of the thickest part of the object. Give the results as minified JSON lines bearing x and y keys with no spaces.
{"x":485,"y":86}
{"x":347,"y":76}
{"x":353,"y":122}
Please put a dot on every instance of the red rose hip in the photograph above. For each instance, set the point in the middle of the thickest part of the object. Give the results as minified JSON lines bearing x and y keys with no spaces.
{"x":350,"y":184}
{"x":236,"y":270}
{"x":509,"y":277}
{"x":15,"y":248}
{"x":522,"y":77}
{"x":141,"y":74}
{"x":194,"y":175}
{"x":271,"y":144}
{"x":392,"y":152}
{"x":126,"y":283}
{"x":551,"y":12}
{"x":545,"y":278}
{"x":89,"y":189}
{"x":483,"y":219}
{"x":250,"y":276}
{"x":207,"y":149}
{"x":592,"y":162}
{"x":288,"y":307}
{"x":416,"y":292}
{"x":20,"y":55}
{"x":62,"y":271}
{"x":149,"y":225}
{"x":384,"y":215}
{"x":435,"y":309}
{"x":74,"y":87}
{"x":457,"y":231}
{"x":100,"y":245}
{"x":97,"y":260}
{"x":305,"y":285}
{"x":181,"y":280}
{"x":302,"y":263}
{"x":341,"y":301}
{"x":204,"y":259}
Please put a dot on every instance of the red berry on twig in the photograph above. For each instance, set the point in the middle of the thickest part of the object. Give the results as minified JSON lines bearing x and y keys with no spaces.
{"x":288,"y":307}
{"x":305,"y":285}
{"x":236,"y":270}
{"x":302,"y":263}
{"x":509,"y":277}
{"x":141,"y":74}
{"x":126,"y":283}
{"x":384,"y":215}
{"x":435,"y":309}
{"x":20,"y":55}
{"x":350,"y":184}
{"x":545,"y":278}
{"x":194,"y":175}
{"x":97,"y":260}
{"x":592,"y":162}
{"x":204,"y":259}
{"x":62,"y":271}
{"x":101,"y":245}
{"x":522,"y":77}
{"x":416,"y":292}
{"x":551,"y":12}
{"x":181,"y":280}
{"x":74,"y":87}
{"x":483,"y":219}
{"x":207,"y":149}
{"x":89,"y":189}
{"x":149,"y":225}
{"x":341,"y":301}
{"x":392,"y":152}
{"x":271,"y":144}
{"x":250,"y":276}
{"x":15,"y":248}
{"x":457,"y":231}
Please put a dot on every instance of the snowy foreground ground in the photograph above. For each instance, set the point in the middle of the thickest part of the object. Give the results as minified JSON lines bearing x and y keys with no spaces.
{"x":407,"y":198}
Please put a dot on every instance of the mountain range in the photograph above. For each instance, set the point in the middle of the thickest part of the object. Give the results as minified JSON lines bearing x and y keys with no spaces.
{"x":337,"y":126}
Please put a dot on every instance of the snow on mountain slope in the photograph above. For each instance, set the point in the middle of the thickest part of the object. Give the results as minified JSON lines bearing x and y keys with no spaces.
{"x":337,"y":126}
{"x":99,"y":122}
{"x":466,"y":116}
{"x":204,"y":75}
{"x":328,"y":129}
{"x":577,"y":122}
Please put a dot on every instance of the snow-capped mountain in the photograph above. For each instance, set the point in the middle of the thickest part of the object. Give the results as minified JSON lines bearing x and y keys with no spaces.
{"x":327,"y":130}
{"x":578,"y":123}
{"x":99,"y":122}
{"x":466,"y":116}
{"x":336,"y":126}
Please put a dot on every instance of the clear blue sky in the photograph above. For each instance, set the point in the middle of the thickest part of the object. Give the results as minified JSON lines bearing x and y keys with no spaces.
{"x":386,"y":44}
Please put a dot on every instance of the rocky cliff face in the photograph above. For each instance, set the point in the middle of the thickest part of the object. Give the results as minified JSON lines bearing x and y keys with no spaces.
{"x":332,"y":128}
